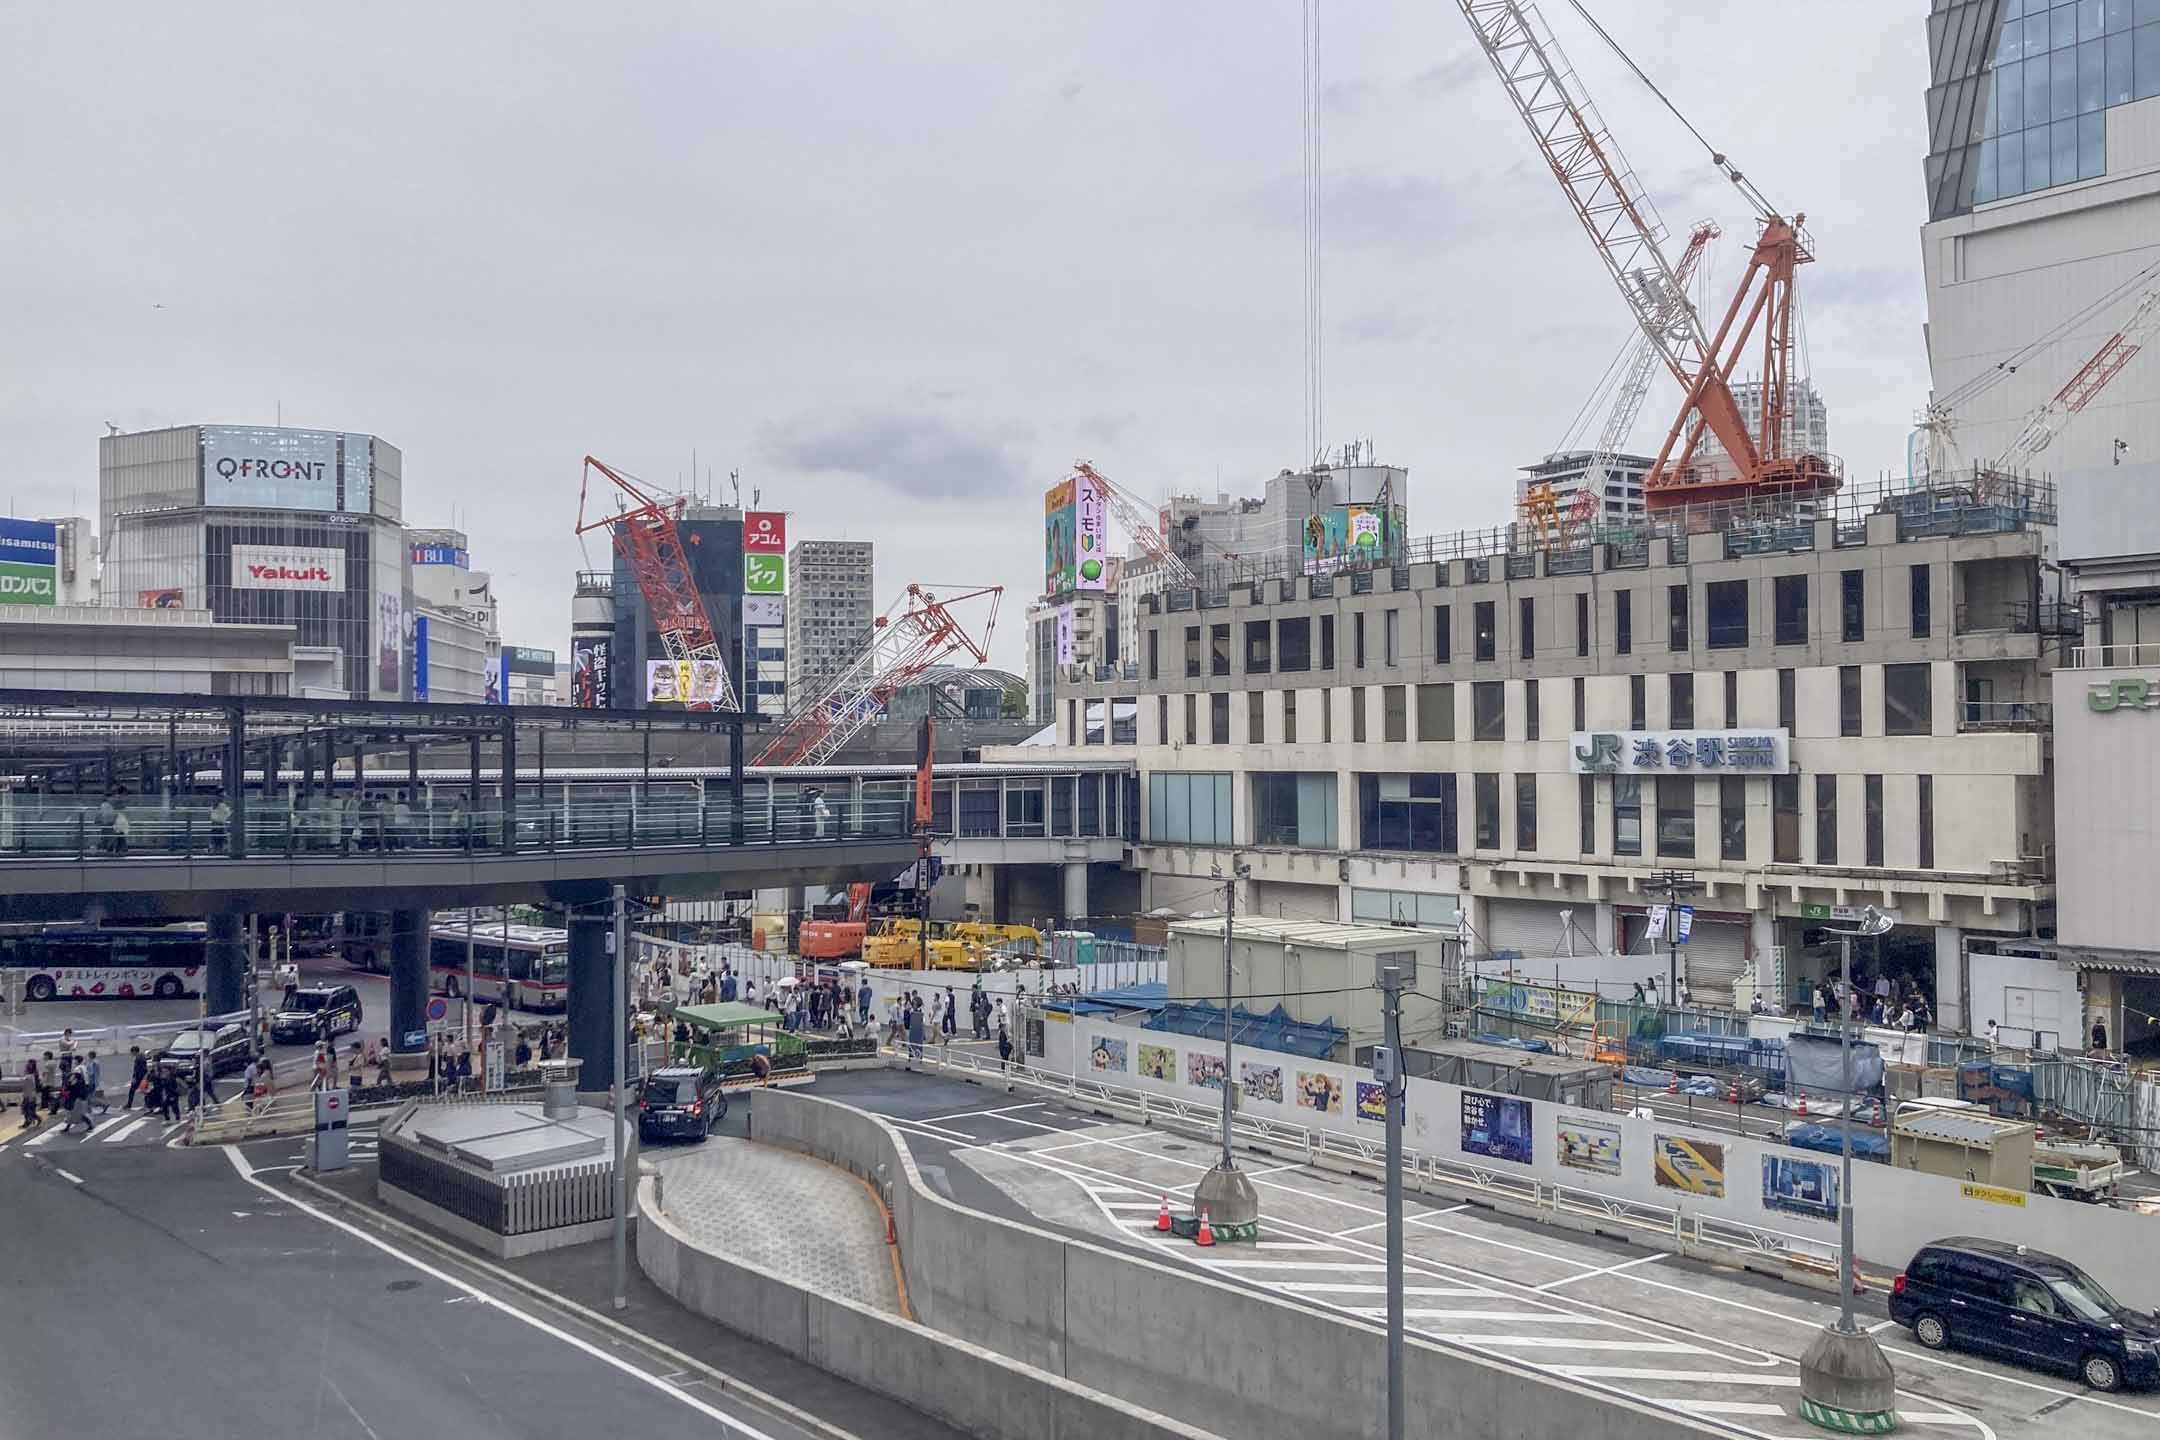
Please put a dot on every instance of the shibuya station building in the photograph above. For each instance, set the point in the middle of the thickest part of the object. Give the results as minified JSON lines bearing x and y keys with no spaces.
{"x":267,"y":525}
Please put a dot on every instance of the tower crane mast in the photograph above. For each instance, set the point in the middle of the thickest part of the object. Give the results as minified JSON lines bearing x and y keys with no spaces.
{"x":918,"y":631}
{"x":1635,"y":382}
{"x":648,"y":536}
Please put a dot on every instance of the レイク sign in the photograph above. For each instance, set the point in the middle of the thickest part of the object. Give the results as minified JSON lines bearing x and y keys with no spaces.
{"x":285,"y":567}
{"x":1660,"y":752}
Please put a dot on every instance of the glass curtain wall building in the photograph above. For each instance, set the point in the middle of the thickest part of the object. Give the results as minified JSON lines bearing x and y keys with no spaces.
{"x":264,"y":525}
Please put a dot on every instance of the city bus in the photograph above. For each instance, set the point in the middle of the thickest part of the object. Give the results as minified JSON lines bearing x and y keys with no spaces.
{"x":524,"y":966}
{"x":75,"y":961}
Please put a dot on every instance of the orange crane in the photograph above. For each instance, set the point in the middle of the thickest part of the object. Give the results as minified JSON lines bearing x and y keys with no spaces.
{"x":648,"y":536}
{"x":919,"y":631}
{"x":1616,"y":212}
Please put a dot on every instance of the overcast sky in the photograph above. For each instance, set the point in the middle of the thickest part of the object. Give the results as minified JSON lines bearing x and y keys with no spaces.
{"x":898,"y":263}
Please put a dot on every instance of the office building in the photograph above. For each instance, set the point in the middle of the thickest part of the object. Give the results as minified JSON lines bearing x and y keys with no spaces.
{"x":2042,"y":182}
{"x":159,"y":651}
{"x":1800,"y":716}
{"x":1618,"y":485}
{"x":262,"y":525}
{"x":456,"y":639}
{"x":830,"y":612}
{"x":531,"y":676}
{"x":1071,"y":635}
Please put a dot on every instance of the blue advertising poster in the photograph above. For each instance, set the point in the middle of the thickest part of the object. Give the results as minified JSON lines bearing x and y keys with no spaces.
{"x":29,"y":542}
{"x":1496,"y":1126}
{"x":502,"y":678}
{"x":419,"y":657}
{"x":1800,"y":1187}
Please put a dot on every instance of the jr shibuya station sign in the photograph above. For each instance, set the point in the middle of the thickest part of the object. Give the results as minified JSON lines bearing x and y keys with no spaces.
{"x":1668,"y":752}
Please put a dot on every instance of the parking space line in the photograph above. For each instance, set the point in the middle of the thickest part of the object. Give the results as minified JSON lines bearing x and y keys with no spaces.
{"x":1723,"y":1407}
{"x":1608,"y":1270}
{"x":970,"y":1114}
{"x":1567,"y":1342}
{"x":1678,"y":1377}
{"x":1526,"y":1317}
{"x":1306,"y":1287}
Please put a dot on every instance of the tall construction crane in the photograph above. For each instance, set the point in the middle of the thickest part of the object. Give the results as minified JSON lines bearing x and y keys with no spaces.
{"x":648,"y":536}
{"x":1139,"y":523}
{"x":2046,"y":420}
{"x":919,"y":631}
{"x":1624,"y":227}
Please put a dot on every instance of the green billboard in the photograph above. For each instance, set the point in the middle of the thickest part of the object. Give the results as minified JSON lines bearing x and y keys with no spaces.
{"x":22,"y":584}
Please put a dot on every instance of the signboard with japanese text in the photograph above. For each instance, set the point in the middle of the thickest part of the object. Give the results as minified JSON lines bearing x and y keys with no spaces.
{"x":764,"y":532}
{"x":589,"y":679}
{"x":763,"y":610}
{"x":1061,"y":541}
{"x":1091,"y":534}
{"x":764,"y":574}
{"x":682,"y":682}
{"x":287,"y":567}
{"x":1677,"y":752}
{"x":1065,"y":635}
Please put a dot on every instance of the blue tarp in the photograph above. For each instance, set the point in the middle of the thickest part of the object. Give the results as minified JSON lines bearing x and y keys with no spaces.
{"x":1151,"y":996}
{"x":1866,"y":1144}
{"x":1535,"y":1047}
{"x":1275,"y":1030}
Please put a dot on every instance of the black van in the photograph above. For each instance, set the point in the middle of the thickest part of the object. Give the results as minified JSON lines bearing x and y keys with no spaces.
{"x":2027,"y":1307}
{"x":681,"y":1102}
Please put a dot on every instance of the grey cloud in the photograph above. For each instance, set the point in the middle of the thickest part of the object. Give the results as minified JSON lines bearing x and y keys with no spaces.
{"x":915,"y":452}
{"x":1450,"y":75}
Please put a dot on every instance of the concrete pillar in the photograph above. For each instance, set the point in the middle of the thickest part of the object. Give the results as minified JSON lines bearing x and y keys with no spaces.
{"x":227,"y":952}
{"x":1950,"y":981}
{"x":1076,"y":894}
{"x":408,"y":989}
{"x":798,"y":901}
{"x":592,"y":1002}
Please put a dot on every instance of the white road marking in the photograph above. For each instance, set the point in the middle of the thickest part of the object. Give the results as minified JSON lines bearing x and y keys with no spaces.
{"x":102,"y":1126}
{"x":1723,"y":1407}
{"x":1688,"y":1377}
{"x":1129,"y":1204}
{"x":1377,"y":1224}
{"x":971,"y":1114}
{"x":1526,"y":1317}
{"x":1348,"y":1269}
{"x":1608,"y":1270}
{"x":1307,"y":1288}
{"x":1569,"y":1342}
{"x":248,"y":1173}
{"x":1880,"y":1325}
{"x":118,"y":1135}
{"x":49,"y":1133}
{"x":1934,"y":1417}
{"x":67,"y":1175}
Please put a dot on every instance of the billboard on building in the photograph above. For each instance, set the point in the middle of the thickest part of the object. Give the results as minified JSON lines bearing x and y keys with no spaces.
{"x":172,"y":597}
{"x":1352,"y":537}
{"x":273,"y":468}
{"x":442,"y":555}
{"x":497,"y":689}
{"x":287,"y":567}
{"x":390,"y":643}
{"x":683,"y":682}
{"x":764,"y":532}
{"x":764,"y":610}
{"x":589,"y":680}
{"x":764,"y":574}
{"x":527,"y":660}
{"x":1091,"y":532}
{"x":419,"y":658}
{"x":356,"y":495}
{"x":29,"y":560}
{"x":1061,"y":525}
{"x":1065,"y":635}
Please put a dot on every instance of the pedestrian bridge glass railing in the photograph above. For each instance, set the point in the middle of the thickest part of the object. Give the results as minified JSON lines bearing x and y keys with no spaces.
{"x":50,"y":827}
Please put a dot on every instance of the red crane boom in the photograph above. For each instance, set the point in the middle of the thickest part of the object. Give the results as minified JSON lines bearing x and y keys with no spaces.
{"x":648,"y":537}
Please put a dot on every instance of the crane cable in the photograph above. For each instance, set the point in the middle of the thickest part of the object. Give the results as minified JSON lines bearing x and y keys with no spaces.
{"x":1730,"y":171}
{"x":2003,"y":369}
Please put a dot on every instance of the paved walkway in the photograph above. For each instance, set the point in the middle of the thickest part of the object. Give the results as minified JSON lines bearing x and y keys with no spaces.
{"x":787,"y":1213}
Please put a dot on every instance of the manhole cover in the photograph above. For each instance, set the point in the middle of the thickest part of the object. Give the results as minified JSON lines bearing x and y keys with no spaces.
{"x":403,"y":1285}
{"x":1177,"y":1149}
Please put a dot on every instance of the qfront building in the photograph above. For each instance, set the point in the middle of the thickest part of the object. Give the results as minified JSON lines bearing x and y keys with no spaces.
{"x":1786,"y":720}
{"x":263,"y":525}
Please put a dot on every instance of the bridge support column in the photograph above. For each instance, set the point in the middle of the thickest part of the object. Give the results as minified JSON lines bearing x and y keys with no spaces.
{"x":226,"y":983}
{"x":592,"y":1002}
{"x":1076,"y":886}
{"x":408,"y":992}
{"x":798,"y":905}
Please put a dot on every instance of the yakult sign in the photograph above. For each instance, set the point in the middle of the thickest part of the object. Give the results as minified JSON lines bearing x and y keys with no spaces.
{"x":280,"y":567}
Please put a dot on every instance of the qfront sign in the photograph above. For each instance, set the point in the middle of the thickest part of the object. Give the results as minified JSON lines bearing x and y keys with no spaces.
{"x":1664,"y":752}
{"x":287,"y":567}
{"x":272,"y":468}
{"x":2130,"y":693}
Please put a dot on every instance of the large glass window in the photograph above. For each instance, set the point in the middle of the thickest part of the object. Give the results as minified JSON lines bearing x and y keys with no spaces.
{"x":1154,"y":652}
{"x":1627,"y":814}
{"x":1259,"y":647}
{"x":1391,"y":637}
{"x":1727,"y":603}
{"x":1732,"y":699}
{"x":1638,"y":702}
{"x":1327,"y":642}
{"x":1789,"y":593}
{"x":1826,"y":819}
{"x":1357,"y":714}
{"x":1443,"y":639}
{"x":1923,"y":606}
{"x":1531,"y":719}
{"x":1908,"y":704}
{"x":1852,"y":606}
{"x":1293,"y":643}
{"x":1848,"y":700}
{"x":1526,"y":813}
{"x":1526,"y":627}
{"x":1488,"y":811}
{"x":1485,"y":631}
{"x":1676,"y":620}
{"x":1732,"y":817}
{"x":1872,"y":793}
{"x":1219,"y":649}
{"x":1192,"y":652}
{"x":1407,"y":812}
{"x":1788,"y":699}
{"x":1624,"y":622}
{"x":1394,"y":713}
{"x":1785,"y":819}
{"x":1436,"y":712}
{"x":1024,"y":807}
{"x":1488,"y":710}
{"x":1680,"y":700}
{"x":1189,"y":809}
{"x":1192,"y":724}
{"x":1357,"y":641}
{"x":1927,"y":822}
{"x":1582,"y":704}
{"x":1219,"y":719}
{"x":1582,"y":623}
{"x":1586,"y":813}
{"x":1256,"y":717}
{"x":1676,"y":816}
{"x":1294,"y":810}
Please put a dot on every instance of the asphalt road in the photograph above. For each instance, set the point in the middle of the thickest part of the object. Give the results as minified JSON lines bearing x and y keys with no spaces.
{"x":1713,"y":1342}
{"x":249,"y":1311}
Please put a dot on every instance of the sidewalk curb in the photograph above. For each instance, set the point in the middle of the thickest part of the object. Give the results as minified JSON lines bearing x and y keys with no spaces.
{"x":726,"y":1382}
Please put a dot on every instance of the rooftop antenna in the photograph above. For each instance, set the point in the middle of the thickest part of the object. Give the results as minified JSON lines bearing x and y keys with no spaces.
{"x":734,"y":480}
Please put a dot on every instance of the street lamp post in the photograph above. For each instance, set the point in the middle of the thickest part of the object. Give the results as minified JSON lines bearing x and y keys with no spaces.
{"x":1224,"y":1193}
{"x":1846,"y":1383}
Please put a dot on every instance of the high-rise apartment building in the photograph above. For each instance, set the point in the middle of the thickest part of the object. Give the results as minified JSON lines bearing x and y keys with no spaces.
{"x":2043,"y":190}
{"x":1619,"y":485}
{"x":830,"y":611}
{"x":1806,"y":427}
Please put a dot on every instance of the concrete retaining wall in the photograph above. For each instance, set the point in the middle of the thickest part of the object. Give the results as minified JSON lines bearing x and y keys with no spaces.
{"x":972,"y":1388}
{"x":1239,"y":1361}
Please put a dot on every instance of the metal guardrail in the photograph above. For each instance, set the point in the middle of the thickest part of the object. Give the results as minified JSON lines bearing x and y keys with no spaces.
{"x":1685,"y":1230}
{"x":241,"y":1119}
{"x":2005,"y":715}
{"x":2109,"y":657}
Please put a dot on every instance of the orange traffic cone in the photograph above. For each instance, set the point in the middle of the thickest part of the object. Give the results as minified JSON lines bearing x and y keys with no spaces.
{"x":1672,"y":1086}
{"x":1206,"y":1235}
{"x":1162,"y":1220}
{"x":1732,"y":1093}
{"x":1801,"y":1108}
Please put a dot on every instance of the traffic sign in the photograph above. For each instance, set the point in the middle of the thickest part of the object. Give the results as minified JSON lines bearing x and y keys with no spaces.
{"x":437,"y":1008}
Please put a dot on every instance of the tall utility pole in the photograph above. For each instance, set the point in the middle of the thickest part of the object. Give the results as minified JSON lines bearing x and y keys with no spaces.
{"x":1229,"y":994}
{"x":618,"y":1095}
{"x":1846,"y":1382}
{"x":1224,"y":1193}
{"x":1398,"y":972}
{"x":1675,"y":883}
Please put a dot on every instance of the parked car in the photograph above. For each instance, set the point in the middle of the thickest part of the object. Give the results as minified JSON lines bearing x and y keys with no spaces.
{"x":316,"y":1012}
{"x":680,"y":1102}
{"x":2025,"y":1306}
{"x":227,"y":1046}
